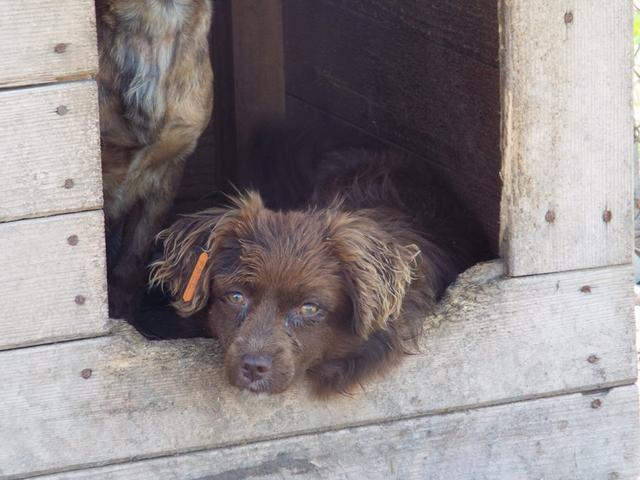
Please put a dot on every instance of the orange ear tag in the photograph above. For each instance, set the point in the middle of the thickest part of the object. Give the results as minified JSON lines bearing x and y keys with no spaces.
{"x":190,"y":291}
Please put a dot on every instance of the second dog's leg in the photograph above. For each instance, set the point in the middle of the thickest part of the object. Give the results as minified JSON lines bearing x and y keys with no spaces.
{"x":154,"y":192}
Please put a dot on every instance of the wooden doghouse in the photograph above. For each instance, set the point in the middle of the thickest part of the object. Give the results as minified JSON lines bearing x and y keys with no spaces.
{"x":524,"y":105}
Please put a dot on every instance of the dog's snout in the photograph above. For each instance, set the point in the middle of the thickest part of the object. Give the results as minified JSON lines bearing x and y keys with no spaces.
{"x":256,"y":367}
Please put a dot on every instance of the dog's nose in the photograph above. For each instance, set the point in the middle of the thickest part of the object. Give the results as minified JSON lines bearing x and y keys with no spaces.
{"x":256,"y":367}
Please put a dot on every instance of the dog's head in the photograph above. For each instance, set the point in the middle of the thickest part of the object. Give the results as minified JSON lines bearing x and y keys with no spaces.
{"x":284,"y":290}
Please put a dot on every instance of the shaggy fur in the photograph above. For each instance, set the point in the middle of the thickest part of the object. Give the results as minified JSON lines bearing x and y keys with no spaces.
{"x":338,"y":290}
{"x":156,"y":93}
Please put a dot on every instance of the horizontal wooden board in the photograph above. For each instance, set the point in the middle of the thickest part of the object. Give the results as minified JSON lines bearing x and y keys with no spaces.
{"x":49,"y":150}
{"x":52,"y":285}
{"x":556,"y":438}
{"x":499,"y":340}
{"x":568,"y":151}
{"x":422,"y":75}
{"x":47,"y":41}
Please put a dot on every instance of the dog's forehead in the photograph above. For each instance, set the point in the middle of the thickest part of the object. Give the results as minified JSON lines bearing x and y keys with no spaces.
{"x":288,"y":233}
{"x":287,"y":247}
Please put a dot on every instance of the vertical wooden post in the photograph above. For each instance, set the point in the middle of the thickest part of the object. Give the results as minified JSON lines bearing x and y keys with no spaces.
{"x":258,"y":72}
{"x":567,"y":135}
{"x":224,"y":127}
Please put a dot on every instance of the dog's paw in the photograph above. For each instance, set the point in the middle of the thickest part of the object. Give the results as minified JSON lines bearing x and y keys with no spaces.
{"x":331,"y":377}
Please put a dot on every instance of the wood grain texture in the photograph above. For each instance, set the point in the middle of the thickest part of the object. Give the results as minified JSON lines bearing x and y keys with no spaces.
{"x":258,"y":73}
{"x":49,"y":150}
{"x":43,"y":276}
{"x":422,"y":75}
{"x":566,"y":129}
{"x":503,"y":340}
{"x":47,"y":41}
{"x":556,"y":438}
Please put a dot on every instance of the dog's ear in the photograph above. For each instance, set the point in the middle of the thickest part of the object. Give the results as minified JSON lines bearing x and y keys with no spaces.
{"x":377,"y":270}
{"x":211,"y":232}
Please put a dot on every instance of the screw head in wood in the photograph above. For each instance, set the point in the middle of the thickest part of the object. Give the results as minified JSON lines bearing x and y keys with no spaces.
{"x":69,"y":183}
{"x":593,"y":359}
{"x":60,"y":48}
{"x":568,"y":17}
{"x":62,"y":110}
{"x":586,"y":289}
{"x":606,"y":216}
{"x":73,"y":240}
{"x":550,"y":216}
{"x":80,"y":299}
{"x":86,"y":373}
{"x":597,"y":403}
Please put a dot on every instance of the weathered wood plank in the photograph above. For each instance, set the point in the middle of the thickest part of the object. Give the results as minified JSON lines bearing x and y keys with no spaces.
{"x":258,"y":73}
{"x":557,"y":438}
{"x":567,"y":201}
{"x":47,"y":41}
{"x":53,"y":284}
{"x":503,"y":340}
{"x":422,"y":75}
{"x":49,"y":150}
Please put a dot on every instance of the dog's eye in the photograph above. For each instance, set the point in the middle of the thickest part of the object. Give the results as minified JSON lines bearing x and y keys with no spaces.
{"x":307,"y":314}
{"x":308,"y":309}
{"x":235,"y":298}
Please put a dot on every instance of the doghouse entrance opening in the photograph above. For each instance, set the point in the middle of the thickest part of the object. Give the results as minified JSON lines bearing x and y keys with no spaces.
{"x":421,"y":77}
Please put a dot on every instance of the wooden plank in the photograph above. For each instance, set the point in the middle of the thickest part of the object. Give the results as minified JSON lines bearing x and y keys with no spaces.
{"x":258,"y":72}
{"x":503,"y":340}
{"x":568,"y":150}
{"x":422,"y":75}
{"x":556,"y":438}
{"x":47,"y":41}
{"x":49,"y":150}
{"x":53,"y":283}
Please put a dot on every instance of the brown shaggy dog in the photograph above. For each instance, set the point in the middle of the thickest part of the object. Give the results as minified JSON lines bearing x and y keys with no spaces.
{"x":156,"y":93}
{"x":338,"y":290}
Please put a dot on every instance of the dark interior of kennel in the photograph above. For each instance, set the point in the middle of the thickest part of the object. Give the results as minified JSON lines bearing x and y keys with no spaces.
{"x":421,"y":76}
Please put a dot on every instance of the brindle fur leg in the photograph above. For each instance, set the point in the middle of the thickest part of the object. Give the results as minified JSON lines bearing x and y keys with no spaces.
{"x":156,"y":96}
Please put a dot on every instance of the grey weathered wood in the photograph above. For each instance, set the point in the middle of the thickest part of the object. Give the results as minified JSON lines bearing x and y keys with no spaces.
{"x":49,"y":150}
{"x":568,"y":149}
{"x":47,"y":41}
{"x":422,"y":75}
{"x":556,"y":438}
{"x":258,"y":73}
{"x":43,"y":275}
{"x":503,"y":340}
